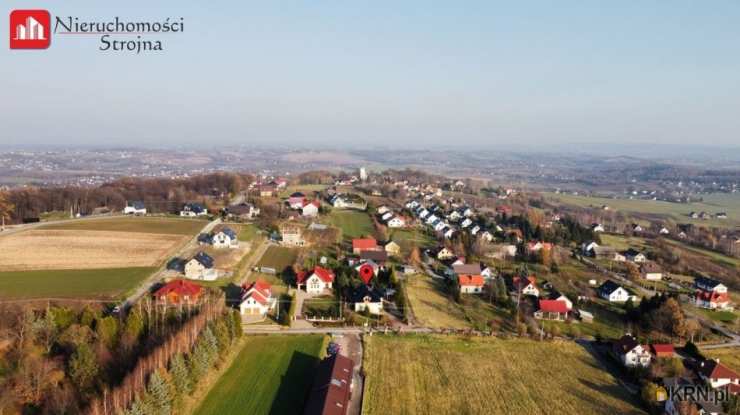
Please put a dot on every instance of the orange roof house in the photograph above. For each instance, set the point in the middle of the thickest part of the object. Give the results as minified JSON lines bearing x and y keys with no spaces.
{"x":179,"y":291}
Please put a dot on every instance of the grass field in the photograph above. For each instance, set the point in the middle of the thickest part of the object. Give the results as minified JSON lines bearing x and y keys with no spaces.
{"x":409,"y":237}
{"x":278,"y":257}
{"x":271,"y":375}
{"x":248,"y":232}
{"x":354,"y":224}
{"x":432,"y":308}
{"x":713,"y":203}
{"x":101,"y":283}
{"x":451,"y":375}
{"x":728,"y":356}
{"x":170,"y":226}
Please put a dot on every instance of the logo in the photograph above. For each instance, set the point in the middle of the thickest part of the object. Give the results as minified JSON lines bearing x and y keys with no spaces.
{"x":30,"y":29}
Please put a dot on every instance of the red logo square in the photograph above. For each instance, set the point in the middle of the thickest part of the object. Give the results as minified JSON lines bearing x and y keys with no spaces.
{"x":30,"y":29}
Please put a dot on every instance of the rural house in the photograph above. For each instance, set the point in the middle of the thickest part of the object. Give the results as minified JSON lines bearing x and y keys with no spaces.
{"x":718,"y":375}
{"x":291,"y":235}
{"x":445,"y":254}
{"x":317,"y":281}
{"x":193,"y":210}
{"x":613,"y":292}
{"x":135,"y":208}
{"x":310,"y":209}
{"x":295,"y":200}
{"x":242,"y":211}
{"x":552,"y":310}
{"x":364,"y":244}
{"x":200,"y":267}
{"x":634,"y":255}
{"x":396,"y":222}
{"x":710,"y":294}
{"x":662,"y":351}
{"x":631,"y":353}
{"x":470,"y":284}
{"x":393,"y":248}
{"x":556,"y":296}
{"x":367,"y":299}
{"x":225,"y":238}
{"x":650,"y":271}
{"x":526,"y":286}
{"x":332,"y":387}
{"x":178,"y":292}
{"x":257,"y":299}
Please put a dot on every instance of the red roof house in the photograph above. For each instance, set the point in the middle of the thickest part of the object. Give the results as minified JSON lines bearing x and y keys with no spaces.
{"x":316,"y":281}
{"x":179,"y":291}
{"x":662,"y":350}
{"x":470,"y":284}
{"x":552,"y":310}
{"x":366,"y":244}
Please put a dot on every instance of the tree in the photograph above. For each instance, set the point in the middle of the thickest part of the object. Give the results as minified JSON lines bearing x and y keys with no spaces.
{"x":180,"y":375}
{"x":107,"y":331}
{"x":6,"y":208}
{"x":649,"y":393}
{"x":83,"y":368}
{"x":160,"y":394}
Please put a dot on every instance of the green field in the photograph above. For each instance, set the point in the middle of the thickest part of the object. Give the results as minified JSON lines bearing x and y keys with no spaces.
{"x":354,"y":224}
{"x":453,"y":375}
{"x":133,"y":224}
{"x":271,"y":375}
{"x":729,"y":203}
{"x":411,"y":237}
{"x":278,"y":257}
{"x":95,"y":283}
{"x":248,"y":232}
{"x":728,"y":356}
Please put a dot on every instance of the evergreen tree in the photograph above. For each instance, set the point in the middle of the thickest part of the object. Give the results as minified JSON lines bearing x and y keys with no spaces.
{"x":83,"y":367}
{"x":160,"y":394}
{"x":180,"y":375}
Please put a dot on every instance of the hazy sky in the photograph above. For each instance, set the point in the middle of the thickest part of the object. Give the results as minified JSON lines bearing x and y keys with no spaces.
{"x":478,"y":73}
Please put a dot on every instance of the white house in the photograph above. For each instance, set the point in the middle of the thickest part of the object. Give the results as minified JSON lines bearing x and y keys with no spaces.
{"x":317,"y":281}
{"x":383,"y":210}
{"x":257,"y":299}
{"x":439,"y":226}
{"x":527,"y":286}
{"x":445,"y":254}
{"x":193,"y":210}
{"x":612,"y":292}
{"x":225,"y":238}
{"x":467,"y":222}
{"x":366,"y":299}
{"x":556,"y":296}
{"x":631,"y":353}
{"x":310,"y":209}
{"x":487,"y":236}
{"x":470,"y":284}
{"x":717,"y":375}
{"x":587,"y":248}
{"x":597,"y":227}
{"x":449,"y":233}
{"x":664,"y":231}
{"x":386,"y":216}
{"x":200,"y":267}
{"x":135,"y":208}
{"x":396,"y":222}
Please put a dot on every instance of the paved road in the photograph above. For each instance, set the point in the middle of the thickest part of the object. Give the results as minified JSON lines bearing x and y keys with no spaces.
{"x":156,"y":276}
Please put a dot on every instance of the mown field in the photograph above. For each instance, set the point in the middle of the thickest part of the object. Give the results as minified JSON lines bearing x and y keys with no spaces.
{"x":678,"y":211}
{"x":432,"y":308}
{"x":410,"y":237}
{"x":171,"y":226}
{"x":354,"y":224}
{"x":89,"y":283}
{"x":452,"y":375}
{"x":278,"y":257}
{"x":271,"y":375}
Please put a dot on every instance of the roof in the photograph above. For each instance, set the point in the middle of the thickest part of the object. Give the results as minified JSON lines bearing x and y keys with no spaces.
{"x":331,"y":387}
{"x":377,"y":256}
{"x":324,"y":274}
{"x":627,"y":343}
{"x":358,"y":294}
{"x":467,"y":269}
{"x":553,"y":306}
{"x":240,"y":209}
{"x":297,"y":194}
{"x":468,"y":280}
{"x":194,"y":207}
{"x":180,"y":287}
{"x":228,"y":231}
{"x":609,"y":287}
{"x":366,"y":243}
{"x":204,"y":259}
{"x":137,"y":204}
{"x":260,"y":290}
{"x":529,"y":280}
{"x":706,"y":282}
{"x":662,"y":348}
{"x":713,"y":369}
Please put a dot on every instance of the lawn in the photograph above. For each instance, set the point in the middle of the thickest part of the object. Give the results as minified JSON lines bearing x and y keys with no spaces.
{"x":409,"y":237}
{"x":278,"y":257}
{"x":729,"y":356}
{"x":134,"y":224}
{"x":452,"y":375}
{"x":430,"y":304}
{"x":353,"y":224}
{"x":271,"y":375}
{"x":93,"y":283}
{"x":678,"y":211}
{"x":322,"y":306}
{"x":622,"y":243}
{"x":248,"y":232}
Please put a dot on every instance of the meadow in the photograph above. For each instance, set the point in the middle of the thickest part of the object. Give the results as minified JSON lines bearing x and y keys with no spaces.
{"x":354,"y":224}
{"x":728,"y":356}
{"x":278,"y":257}
{"x":170,"y":226}
{"x":454,"y":375}
{"x":271,"y":375}
{"x":90,"y":283}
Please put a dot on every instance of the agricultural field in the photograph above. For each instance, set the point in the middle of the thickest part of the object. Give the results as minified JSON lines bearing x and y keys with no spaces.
{"x":83,"y":249}
{"x":622,"y":243}
{"x":278,"y":258}
{"x":354,"y":224}
{"x":409,"y":237}
{"x":170,"y":226}
{"x":431,"y":306}
{"x":729,"y":203}
{"x":728,"y":356}
{"x":271,"y":375}
{"x":90,"y":283}
{"x":453,"y":375}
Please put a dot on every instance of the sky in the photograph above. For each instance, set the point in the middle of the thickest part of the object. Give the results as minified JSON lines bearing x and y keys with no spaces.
{"x":477,"y":74}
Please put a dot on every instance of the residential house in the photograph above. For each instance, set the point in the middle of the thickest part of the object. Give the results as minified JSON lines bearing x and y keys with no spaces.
{"x":364,"y":244}
{"x":449,"y":233}
{"x":613,"y":292}
{"x":634,"y":255}
{"x":470,"y":269}
{"x":470,"y":284}
{"x":526,"y":286}
{"x":630,"y":352}
{"x":383,"y":210}
{"x":179,"y":292}
{"x":467,"y":222}
{"x":243,"y":211}
{"x":664,"y":231}
{"x":291,"y":234}
{"x":386,"y":216}
{"x":349,"y":201}
{"x":200,"y":267}
{"x":316,"y":282}
{"x":488,"y":273}
{"x":310,"y":209}
{"x":444,"y":254}
{"x":332,"y":387}
{"x":257,"y":299}
{"x":267,"y":190}
{"x":396,"y":222}
{"x":710,"y":294}
{"x":636,"y":228}
{"x":556,"y":296}
{"x":393,"y":249}
{"x":718,"y":375}
{"x":597,"y":227}
{"x":225,"y":238}
{"x":650,"y":271}
{"x":587,"y":248}
{"x":552,"y":310}
{"x":135,"y":208}
{"x":536,"y":246}
{"x":379,"y":256}
{"x":662,"y":351}
{"x":367,"y":299}
{"x":193,"y":210}
{"x":296,"y":199}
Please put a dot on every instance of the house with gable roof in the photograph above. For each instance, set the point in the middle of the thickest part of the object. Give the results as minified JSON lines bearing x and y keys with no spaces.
{"x":257,"y":299}
{"x":316,"y":281}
